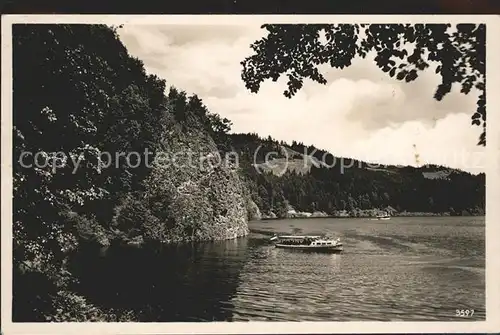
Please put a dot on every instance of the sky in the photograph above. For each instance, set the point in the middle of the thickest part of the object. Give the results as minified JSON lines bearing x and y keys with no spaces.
{"x":360,"y":113}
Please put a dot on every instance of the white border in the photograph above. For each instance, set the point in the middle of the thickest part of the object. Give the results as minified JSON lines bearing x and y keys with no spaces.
{"x":492,"y":323}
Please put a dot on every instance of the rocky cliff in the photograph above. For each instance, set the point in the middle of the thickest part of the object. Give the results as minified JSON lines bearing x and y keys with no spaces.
{"x":192,"y":194}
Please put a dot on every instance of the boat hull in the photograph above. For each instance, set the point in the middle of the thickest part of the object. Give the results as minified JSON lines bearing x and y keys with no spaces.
{"x":308,"y":248}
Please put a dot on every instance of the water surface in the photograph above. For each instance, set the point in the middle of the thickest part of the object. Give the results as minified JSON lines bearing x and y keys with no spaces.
{"x":403,"y":269}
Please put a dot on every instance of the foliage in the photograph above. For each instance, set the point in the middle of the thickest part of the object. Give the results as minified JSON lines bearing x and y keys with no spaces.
{"x":70,"y":307}
{"x":457,"y":54}
{"x":356,"y":187}
{"x":81,"y":96}
{"x":85,"y":228}
{"x":86,"y":107}
{"x":190,"y":110}
{"x":84,"y":96}
{"x":134,"y":218}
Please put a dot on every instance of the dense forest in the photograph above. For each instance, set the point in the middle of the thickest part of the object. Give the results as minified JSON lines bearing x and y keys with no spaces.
{"x":78,"y":94}
{"x":345,"y":184}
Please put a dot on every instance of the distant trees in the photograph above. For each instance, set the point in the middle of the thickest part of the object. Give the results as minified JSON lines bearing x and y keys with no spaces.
{"x":190,"y":109}
{"x":457,"y":54}
{"x":330,"y":189}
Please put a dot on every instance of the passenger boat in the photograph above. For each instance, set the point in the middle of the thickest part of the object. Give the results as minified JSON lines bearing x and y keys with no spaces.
{"x":384,"y":216}
{"x":311,"y":243}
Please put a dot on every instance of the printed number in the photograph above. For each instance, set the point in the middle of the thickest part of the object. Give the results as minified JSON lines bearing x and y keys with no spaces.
{"x":464,"y":313}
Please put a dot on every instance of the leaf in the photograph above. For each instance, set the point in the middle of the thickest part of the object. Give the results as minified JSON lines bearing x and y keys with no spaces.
{"x":482,"y":139}
{"x":466,"y":87}
{"x":411,"y":76}
{"x":480,"y":86}
{"x":401,"y":75}
{"x":481,"y":102}
{"x":273,"y":52}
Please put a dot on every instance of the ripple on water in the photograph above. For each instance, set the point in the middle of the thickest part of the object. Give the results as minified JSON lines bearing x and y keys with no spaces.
{"x":387,"y":272}
{"x":407,"y":269}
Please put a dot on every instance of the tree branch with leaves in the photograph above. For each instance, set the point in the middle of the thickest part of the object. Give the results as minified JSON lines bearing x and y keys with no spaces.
{"x":457,"y":54}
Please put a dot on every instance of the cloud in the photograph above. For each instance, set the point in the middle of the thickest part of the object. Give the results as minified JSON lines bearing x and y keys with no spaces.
{"x":361,"y":112}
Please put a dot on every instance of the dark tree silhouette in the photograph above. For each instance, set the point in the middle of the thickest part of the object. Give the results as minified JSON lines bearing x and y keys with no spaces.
{"x":82,"y":96}
{"x":401,"y":50}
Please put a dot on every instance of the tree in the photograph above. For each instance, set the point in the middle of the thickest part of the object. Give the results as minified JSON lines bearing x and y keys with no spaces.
{"x":401,"y":50}
{"x":219,"y":125}
{"x":82,"y":96}
{"x":178,"y":99}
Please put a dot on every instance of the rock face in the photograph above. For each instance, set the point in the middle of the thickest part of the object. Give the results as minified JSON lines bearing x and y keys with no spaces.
{"x":269,"y":215}
{"x":195,"y":194}
{"x":253,"y":211}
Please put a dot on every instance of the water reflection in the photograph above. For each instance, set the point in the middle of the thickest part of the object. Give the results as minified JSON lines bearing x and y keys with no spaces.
{"x":410,"y":269}
{"x":177,"y":283}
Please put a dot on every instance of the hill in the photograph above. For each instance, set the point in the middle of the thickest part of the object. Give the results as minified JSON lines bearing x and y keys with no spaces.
{"x":282,"y":176}
{"x":90,"y":129}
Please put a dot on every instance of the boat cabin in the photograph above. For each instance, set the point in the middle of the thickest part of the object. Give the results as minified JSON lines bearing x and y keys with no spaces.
{"x":324,"y":242}
{"x":306,"y":240}
{"x":296,"y":240}
{"x":308,"y":243}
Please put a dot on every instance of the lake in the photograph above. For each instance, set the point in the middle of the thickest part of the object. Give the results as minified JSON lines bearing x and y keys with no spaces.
{"x":411,"y":269}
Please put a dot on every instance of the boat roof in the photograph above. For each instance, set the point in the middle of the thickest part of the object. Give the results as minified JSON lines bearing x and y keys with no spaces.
{"x":301,"y":237}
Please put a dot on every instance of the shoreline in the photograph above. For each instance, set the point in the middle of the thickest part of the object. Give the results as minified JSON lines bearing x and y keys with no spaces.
{"x":415,"y":215}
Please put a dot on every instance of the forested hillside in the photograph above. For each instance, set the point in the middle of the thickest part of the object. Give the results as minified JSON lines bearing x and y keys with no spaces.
{"x":80,"y":99}
{"x":320,"y":181}
{"x":89,"y":126}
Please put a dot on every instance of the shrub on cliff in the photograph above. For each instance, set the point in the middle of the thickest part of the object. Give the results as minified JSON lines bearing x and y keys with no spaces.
{"x":86,"y":228}
{"x":253,"y":210}
{"x":201,"y":193}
